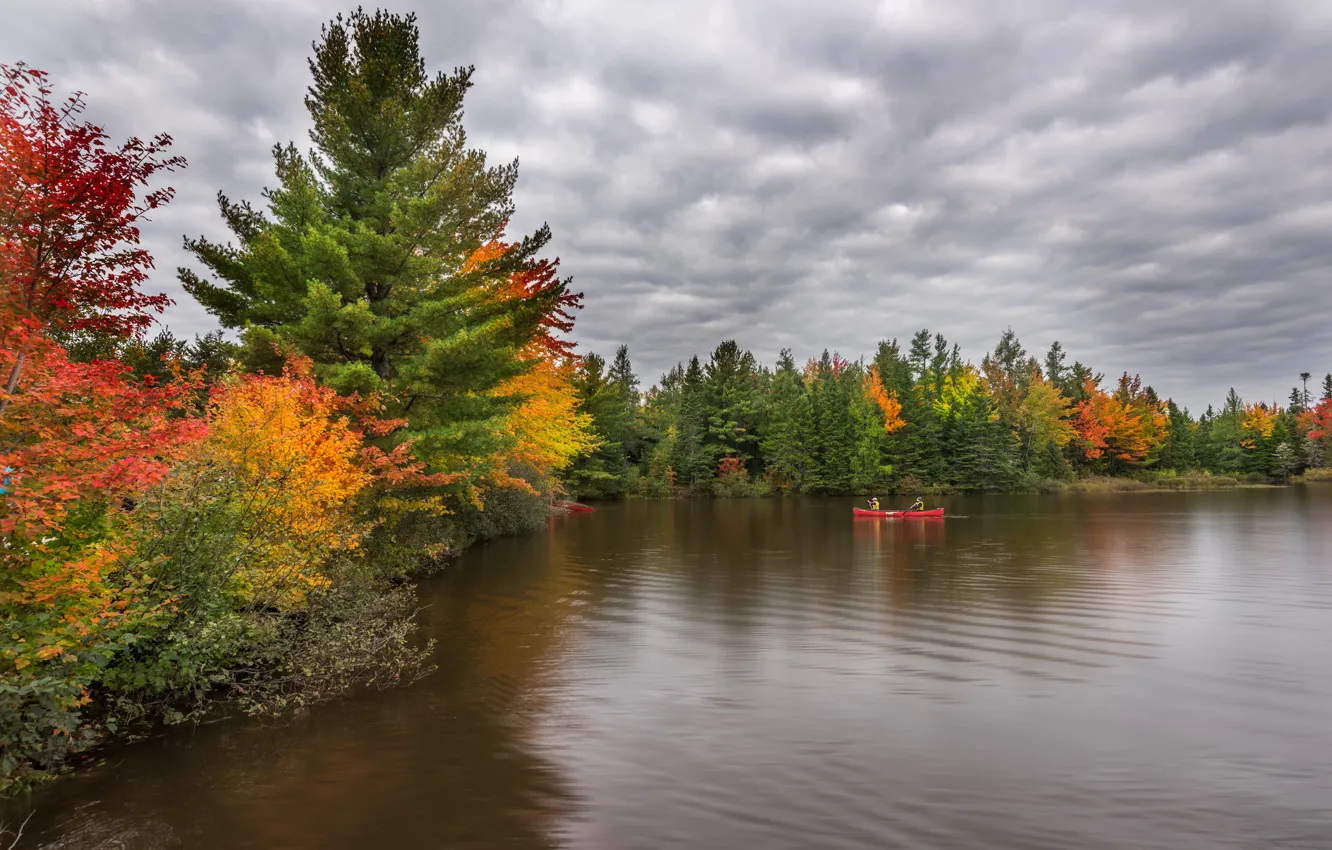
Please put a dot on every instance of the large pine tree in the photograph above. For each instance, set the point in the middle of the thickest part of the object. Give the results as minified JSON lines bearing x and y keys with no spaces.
{"x":377,"y":255}
{"x":785,"y":443}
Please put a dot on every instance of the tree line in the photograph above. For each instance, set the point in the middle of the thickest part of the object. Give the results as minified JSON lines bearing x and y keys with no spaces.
{"x":919,"y":418}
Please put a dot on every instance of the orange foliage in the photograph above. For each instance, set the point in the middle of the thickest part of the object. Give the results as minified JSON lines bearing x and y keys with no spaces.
{"x":289,"y":448}
{"x":78,"y":438}
{"x":1128,"y":425}
{"x":534,"y":281}
{"x":1090,"y":421}
{"x":885,"y":399}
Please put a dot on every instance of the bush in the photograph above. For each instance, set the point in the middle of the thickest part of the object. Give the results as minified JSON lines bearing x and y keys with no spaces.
{"x":1107,"y":484}
{"x":653,"y":488}
{"x":909,"y":485}
{"x":507,"y":510}
{"x":1195,"y":481}
{"x":1038,"y":484}
{"x":733,"y":481}
{"x":41,"y":726}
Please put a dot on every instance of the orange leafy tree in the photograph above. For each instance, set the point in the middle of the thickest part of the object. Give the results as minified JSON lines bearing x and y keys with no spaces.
{"x":885,"y":399}
{"x":79,"y":439}
{"x":86,"y":431}
{"x":286,"y":461}
{"x":287,"y":447}
{"x":1127,"y":426}
{"x":546,"y":430}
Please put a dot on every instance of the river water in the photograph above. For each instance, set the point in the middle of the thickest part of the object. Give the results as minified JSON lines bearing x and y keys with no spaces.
{"x":1145,"y":671}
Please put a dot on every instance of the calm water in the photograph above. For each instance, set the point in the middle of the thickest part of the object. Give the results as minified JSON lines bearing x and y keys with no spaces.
{"x":1150,"y":671}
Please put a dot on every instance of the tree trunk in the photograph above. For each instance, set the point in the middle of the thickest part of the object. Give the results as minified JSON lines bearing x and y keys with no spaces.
{"x":13,"y":381}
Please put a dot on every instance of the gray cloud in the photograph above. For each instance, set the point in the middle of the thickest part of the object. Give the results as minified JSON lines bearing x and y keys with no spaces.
{"x":1150,"y":183}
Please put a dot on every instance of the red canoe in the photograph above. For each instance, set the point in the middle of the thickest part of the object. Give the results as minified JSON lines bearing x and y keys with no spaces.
{"x":574,"y":506}
{"x":899,"y":514}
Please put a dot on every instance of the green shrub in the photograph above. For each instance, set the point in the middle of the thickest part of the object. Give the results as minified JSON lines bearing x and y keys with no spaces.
{"x":1107,"y":484}
{"x":909,"y":485}
{"x":42,"y":724}
{"x":1317,"y":474}
{"x":504,"y":511}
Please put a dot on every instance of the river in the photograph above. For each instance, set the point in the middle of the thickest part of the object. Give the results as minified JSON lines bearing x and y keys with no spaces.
{"x":1098,"y":671}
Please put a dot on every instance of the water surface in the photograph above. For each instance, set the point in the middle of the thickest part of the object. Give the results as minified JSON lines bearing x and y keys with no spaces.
{"x":1033,"y":672}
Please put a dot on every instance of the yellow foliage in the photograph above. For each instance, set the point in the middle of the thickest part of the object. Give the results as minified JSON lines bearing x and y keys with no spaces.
{"x":547,"y":430}
{"x":1259,"y":419}
{"x":295,"y":462}
{"x":957,"y":389}
{"x":1045,"y":415}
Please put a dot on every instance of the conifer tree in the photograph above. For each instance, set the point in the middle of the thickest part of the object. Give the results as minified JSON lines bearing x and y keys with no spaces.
{"x":1055,"y":370}
{"x":629,"y":433}
{"x":783,"y":442}
{"x":692,"y":461}
{"x":732,"y":408}
{"x":377,"y":254}
{"x":1178,"y":451}
{"x":601,"y":472}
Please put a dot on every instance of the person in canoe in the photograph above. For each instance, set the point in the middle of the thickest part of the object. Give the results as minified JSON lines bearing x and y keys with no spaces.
{"x":874,"y":503}
{"x":918,"y":505}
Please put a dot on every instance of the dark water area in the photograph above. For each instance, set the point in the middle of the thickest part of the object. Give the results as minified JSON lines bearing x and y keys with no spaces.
{"x":1099,"y":671}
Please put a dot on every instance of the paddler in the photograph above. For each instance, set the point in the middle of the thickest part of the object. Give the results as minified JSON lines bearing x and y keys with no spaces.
{"x":874,"y":503}
{"x":918,"y":505}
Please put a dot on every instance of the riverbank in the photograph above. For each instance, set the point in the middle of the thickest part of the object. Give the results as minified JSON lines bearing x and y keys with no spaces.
{"x":1322,"y":475}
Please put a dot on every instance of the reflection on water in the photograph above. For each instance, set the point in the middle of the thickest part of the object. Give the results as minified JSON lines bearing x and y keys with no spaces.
{"x":1093,"y":672}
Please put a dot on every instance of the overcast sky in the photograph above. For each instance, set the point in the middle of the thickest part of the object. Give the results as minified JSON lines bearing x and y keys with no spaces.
{"x":1147,"y":181}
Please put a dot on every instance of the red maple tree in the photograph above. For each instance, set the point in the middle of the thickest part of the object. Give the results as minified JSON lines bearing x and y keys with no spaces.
{"x":70,"y":208}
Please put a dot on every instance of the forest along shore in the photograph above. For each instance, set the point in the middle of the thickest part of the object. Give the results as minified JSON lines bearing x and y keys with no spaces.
{"x":198,"y":526}
{"x":922,"y":420}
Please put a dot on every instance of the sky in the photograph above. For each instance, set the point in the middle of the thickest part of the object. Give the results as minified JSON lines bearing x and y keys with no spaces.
{"x":1147,"y":181}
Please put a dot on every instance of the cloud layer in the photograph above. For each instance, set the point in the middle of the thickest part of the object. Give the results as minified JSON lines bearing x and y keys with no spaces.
{"x":1150,"y":183}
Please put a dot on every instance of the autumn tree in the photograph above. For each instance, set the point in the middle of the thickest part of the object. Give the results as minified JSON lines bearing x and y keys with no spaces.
{"x":548,"y":430}
{"x":380,"y":255}
{"x":1316,"y":427}
{"x":70,"y":208}
{"x":1043,"y":426}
